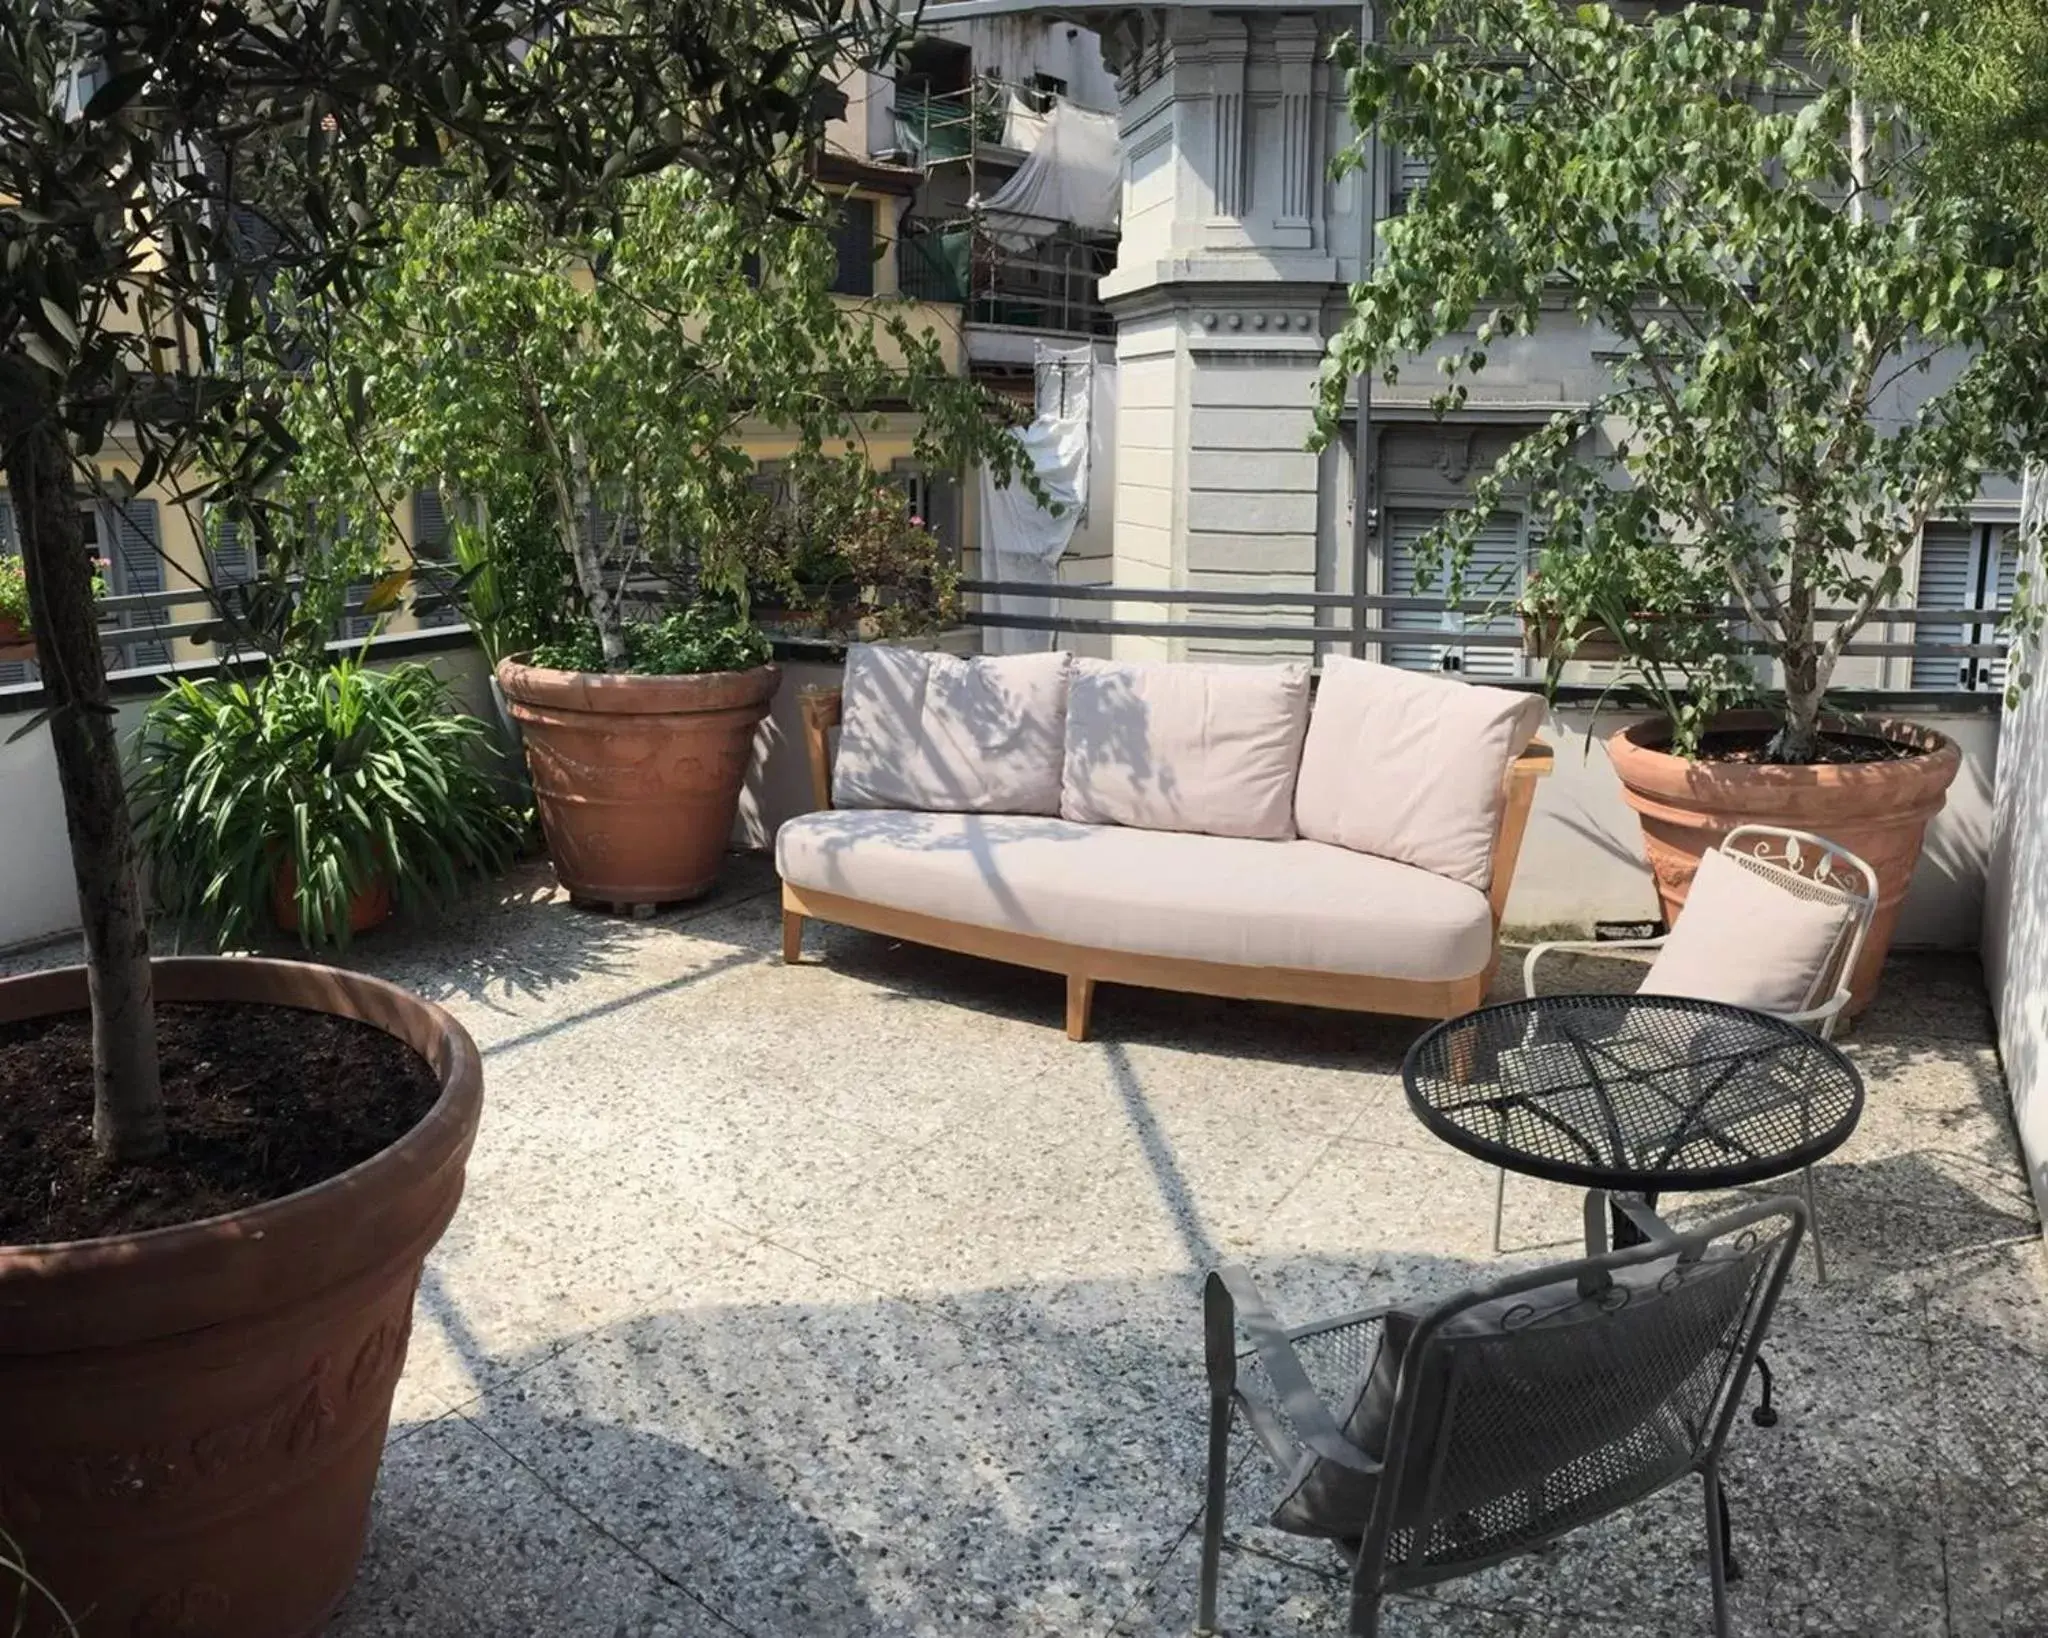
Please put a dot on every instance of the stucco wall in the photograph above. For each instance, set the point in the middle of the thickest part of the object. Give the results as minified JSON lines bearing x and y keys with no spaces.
{"x":2015,"y":932}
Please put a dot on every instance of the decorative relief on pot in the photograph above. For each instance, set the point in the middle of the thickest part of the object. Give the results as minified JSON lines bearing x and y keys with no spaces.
{"x":292,"y":1427}
{"x":191,"y":1611}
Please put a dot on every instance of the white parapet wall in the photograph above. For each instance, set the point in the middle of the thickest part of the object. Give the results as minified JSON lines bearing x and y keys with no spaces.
{"x":1582,"y":860}
{"x":2015,"y":933}
{"x":1581,"y":863}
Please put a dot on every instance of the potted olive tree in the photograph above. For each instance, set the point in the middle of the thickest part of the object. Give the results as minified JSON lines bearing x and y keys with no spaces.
{"x":601,"y":387}
{"x":204,"y":1317}
{"x":1808,"y":351}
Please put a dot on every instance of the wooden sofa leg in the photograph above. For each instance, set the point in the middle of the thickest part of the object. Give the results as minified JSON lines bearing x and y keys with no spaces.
{"x":1080,"y":999}
{"x":792,"y":938}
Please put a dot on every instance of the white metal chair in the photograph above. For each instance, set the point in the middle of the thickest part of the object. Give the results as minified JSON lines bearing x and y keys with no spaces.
{"x":1809,"y":867}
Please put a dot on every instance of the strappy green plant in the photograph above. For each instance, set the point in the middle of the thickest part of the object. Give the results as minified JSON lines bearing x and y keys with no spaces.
{"x":345,"y":775}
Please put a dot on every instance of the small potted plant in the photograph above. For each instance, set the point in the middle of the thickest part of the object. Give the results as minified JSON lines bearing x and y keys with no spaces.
{"x":871,"y":569}
{"x":17,"y":639}
{"x":315,"y":797}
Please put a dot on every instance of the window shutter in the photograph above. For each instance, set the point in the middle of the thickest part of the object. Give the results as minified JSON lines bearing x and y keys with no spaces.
{"x":853,"y":240}
{"x":2005,"y":548}
{"x":1411,"y":171}
{"x":129,"y":530}
{"x":429,"y":522}
{"x":231,"y":553}
{"x":1495,"y":571}
{"x":430,"y":542}
{"x":1948,"y":565}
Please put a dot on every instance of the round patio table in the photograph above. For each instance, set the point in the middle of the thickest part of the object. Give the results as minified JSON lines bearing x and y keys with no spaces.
{"x":1633,"y":1093}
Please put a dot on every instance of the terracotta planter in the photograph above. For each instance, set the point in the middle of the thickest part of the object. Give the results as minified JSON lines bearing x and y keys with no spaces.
{"x":1543,"y":636}
{"x":369,"y":908}
{"x":1877,"y":810}
{"x":191,"y":1418}
{"x":637,"y":779}
{"x":15,"y":641}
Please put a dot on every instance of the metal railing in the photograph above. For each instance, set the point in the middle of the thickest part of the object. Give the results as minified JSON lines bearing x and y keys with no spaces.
{"x":134,"y":619}
{"x":1354,"y":620}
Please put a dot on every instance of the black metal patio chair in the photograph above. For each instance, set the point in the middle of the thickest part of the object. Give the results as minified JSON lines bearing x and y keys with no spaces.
{"x":1498,"y":1420}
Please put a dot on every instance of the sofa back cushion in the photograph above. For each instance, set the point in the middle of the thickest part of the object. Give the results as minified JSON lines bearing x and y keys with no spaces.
{"x":1409,"y":766}
{"x":1208,"y":748}
{"x":943,"y":734}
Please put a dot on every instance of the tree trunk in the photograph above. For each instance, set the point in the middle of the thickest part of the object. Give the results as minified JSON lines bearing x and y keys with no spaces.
{"x":128,"y":1111}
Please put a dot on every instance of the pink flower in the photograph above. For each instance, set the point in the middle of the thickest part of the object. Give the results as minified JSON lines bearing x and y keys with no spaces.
{"x":916,"y":522}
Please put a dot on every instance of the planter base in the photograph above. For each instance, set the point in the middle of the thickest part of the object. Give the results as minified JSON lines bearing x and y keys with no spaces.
{"x":1877,"y":810}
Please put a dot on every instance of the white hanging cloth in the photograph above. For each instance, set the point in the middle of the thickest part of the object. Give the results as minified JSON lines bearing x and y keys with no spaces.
{"x":1074,"y":175}
{"x":1021,"y":540}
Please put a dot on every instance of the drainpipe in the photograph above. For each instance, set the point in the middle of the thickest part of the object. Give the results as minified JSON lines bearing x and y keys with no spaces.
{"x":1364,"y":447}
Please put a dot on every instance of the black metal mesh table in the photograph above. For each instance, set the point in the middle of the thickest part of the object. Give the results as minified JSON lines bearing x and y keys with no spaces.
{"x":1633,"y":1093}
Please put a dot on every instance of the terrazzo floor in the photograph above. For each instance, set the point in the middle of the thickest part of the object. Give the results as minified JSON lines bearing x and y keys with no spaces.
{"x":852,"y":1298}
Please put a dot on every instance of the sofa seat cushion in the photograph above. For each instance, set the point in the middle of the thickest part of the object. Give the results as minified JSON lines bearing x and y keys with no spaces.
{"x":1297,"y":904}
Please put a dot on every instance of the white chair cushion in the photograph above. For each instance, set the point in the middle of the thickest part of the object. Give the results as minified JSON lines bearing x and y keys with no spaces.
{"x":1210,"y":748}
{"x":1170,"y":893}
{"x":1409,"y":766}
{"x":1744,"y":941}
{"x":953,"y":735}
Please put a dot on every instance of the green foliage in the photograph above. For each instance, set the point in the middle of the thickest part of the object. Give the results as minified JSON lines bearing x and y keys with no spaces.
{"x":1968,"y":74}
{"x":863,"y":564}
{"x":348,"y":776}
{"x":13,"y":592}
{"x":592,"y":390}
{"x":29,"y":1591}
{"x":696,"y":639}
{"x":14,"y":588}
{"x":1809,"y":351}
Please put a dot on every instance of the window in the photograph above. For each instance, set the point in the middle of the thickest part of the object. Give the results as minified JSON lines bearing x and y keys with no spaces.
{"x":1963,"y":566}
{"x":1494,"y":574}
{"x":854,"y":239}
{"x":1411,"y":171}
{"x":1043,"y":91}
{"x":135,"y":567}
{"x":430,"y":546}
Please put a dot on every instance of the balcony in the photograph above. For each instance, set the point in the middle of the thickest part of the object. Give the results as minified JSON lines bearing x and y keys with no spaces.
{"x":1049,"y":288}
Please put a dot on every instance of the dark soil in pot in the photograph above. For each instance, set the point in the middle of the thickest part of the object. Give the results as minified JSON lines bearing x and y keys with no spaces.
{"x":261,"y":1101}
{"x":1747,"y":747}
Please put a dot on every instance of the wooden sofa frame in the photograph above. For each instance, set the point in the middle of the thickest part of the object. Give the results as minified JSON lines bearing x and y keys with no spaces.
{"x":1085,"y":967}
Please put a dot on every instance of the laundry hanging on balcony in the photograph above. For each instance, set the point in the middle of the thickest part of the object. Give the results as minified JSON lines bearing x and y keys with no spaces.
{"x":1021,"y":540}
{"x":1073,"y":176}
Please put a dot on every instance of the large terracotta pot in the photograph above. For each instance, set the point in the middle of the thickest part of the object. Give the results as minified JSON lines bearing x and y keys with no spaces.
{"x":637,"y":779}
{"x":1877,"y":810}
{"x":191,"y":1418}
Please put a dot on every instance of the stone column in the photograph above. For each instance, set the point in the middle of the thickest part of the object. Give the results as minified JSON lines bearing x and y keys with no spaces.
{"x":1237,"y":250}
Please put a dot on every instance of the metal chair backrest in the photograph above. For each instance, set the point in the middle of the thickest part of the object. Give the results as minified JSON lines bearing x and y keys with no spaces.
{"x":1545,"y":1401}
{"x":1823,"y":872}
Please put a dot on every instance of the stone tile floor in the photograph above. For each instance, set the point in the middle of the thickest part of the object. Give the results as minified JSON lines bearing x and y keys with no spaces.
{"x":854,"y":1299}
